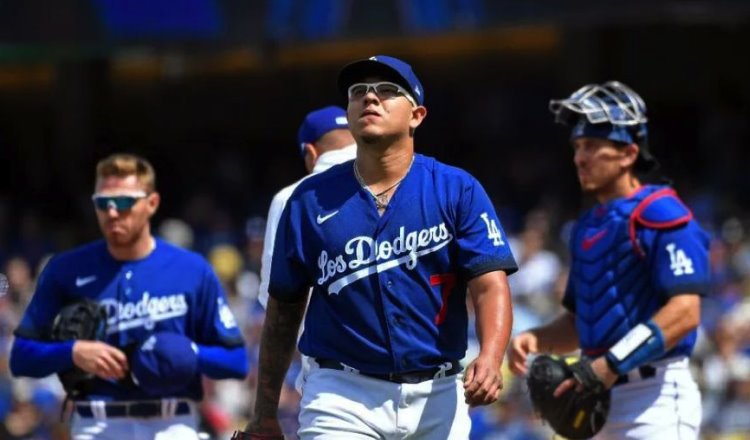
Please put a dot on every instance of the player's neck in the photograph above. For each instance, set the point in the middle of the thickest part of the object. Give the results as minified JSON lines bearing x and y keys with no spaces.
{"x":621,"y":187}
{"x":381,"y":169}
{"x":141,"y":248}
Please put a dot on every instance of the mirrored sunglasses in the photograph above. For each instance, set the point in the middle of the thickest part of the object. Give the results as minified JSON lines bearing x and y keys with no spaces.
{"x":384,"y":90}
{"x":116,"y":202}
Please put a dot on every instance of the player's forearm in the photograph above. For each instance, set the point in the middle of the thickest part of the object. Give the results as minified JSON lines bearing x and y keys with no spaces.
{"x":34,"y":358}
{"x":557,"y":336}
{"x":494,"y":315}
{"x":276,"y":349}
{"x":219,"y":362}
{"x":649,"y":340}
{"x":678,"y":317}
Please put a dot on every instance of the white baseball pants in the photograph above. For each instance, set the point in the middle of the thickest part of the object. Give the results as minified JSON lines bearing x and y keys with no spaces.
{"x":345,"y":405}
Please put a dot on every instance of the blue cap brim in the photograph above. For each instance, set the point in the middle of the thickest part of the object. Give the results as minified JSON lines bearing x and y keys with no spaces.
{"x":359,"y":70}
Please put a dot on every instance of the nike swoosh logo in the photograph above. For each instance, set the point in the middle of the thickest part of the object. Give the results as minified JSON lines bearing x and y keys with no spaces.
{"x":323,"y":218}
{"x":589,"y":242}
{"x":85,"y":280}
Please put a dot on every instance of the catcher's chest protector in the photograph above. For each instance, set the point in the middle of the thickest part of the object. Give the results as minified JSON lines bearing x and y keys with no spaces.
{"x":610,"y":274}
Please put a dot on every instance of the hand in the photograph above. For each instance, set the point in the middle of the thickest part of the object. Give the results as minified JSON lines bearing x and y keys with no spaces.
{"x":520,"y":347}
{"x":483,"y":381}
{"x":100,"y":359}
{"x":602,"y":371}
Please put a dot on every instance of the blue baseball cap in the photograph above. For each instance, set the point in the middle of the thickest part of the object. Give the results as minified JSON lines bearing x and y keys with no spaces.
{"x":646,"y":161}
{"x":616,"y":133}
{"x":319,"y":122}
{"x":164,"y":364}
{"x":388,"y":68}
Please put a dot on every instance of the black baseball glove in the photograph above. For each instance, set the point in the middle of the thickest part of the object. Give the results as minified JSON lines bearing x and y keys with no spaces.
{"x":574,"y":415}
{"x":242,"y":435}
{"x":84,"y":320}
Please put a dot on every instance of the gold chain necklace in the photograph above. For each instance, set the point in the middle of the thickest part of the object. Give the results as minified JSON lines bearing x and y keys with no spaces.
{"x":381,"y":198}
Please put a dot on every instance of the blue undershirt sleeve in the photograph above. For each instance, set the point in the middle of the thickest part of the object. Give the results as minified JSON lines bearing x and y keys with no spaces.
{"x":34,"y":358}
{"x":219,"y":362}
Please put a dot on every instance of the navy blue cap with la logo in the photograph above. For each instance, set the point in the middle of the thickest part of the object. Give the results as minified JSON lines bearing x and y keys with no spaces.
{"x":383,"y":66}
{"x":319,"y":122}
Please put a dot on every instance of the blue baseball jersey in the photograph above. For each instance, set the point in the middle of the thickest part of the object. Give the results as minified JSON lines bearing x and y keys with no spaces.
{"x":629,"y":257}
{"x":170,"y":290}
{"x":388,"y":292}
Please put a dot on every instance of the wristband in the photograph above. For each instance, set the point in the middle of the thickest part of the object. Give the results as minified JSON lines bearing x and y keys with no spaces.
{"x":644,"y":343}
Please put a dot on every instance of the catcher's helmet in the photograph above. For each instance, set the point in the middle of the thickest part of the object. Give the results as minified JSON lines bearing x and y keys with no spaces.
{"x":611,"y":111}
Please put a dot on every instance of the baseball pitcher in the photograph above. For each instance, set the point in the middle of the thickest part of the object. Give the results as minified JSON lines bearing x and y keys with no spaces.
{"x":389,"y":243}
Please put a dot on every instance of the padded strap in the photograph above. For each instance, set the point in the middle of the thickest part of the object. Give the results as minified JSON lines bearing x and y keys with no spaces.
{"x":661,"y":209}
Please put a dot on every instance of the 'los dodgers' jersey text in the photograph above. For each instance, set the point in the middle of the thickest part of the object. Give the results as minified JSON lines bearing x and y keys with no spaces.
{"x":388,"y":292}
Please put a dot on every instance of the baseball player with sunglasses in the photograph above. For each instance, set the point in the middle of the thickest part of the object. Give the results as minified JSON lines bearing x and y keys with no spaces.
{"x":639,"y":268}
{"x":167,"y":319}
{"x":390,"y":243}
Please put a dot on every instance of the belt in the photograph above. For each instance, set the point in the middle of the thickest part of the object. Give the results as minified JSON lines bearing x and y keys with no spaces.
{"x":642,"y":372}
{"x":447,"y":369}
{"x":143,"y":409}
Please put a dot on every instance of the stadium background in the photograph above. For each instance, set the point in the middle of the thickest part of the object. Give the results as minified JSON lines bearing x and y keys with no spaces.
{"x":212,"y":92}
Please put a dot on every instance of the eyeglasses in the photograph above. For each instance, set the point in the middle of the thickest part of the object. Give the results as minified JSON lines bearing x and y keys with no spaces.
{"x":384,"y":90}
{"x":123,"y":202}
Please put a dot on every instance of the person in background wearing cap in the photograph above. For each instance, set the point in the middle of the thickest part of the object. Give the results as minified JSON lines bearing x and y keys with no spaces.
{"x":165,"y":309}
{"x":639,"y":267}
{"x":324,"y":140}
{"x":389,"y":244}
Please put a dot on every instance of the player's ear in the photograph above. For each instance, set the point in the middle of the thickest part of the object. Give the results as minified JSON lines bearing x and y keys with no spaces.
{"x":418,"y":114}
{"x":152,"y":202}
{"x":630,"y":155}
{"x":311,"y":156}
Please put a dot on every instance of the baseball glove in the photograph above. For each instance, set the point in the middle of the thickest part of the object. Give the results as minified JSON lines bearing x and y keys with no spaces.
{"x":574,"y":415}
{"x":242,"y":435}
{"x":84,"y":320}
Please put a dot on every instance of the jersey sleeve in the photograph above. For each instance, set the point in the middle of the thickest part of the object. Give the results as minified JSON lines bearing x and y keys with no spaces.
{"x":44,"y":306}
{"x":215,"y":319}
{"x":482,"y":243}
{"x":289,"y":276}
{"x":272,"y":224}
{"x":680,"y":259}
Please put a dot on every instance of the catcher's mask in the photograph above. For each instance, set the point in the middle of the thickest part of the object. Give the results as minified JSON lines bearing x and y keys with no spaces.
{"x":611,"y":111}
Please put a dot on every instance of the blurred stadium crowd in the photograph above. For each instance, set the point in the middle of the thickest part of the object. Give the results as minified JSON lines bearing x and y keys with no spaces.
{"x":31,"y":409}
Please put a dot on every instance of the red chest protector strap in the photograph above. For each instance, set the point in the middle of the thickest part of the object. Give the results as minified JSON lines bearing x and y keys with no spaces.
{"x":661,"y":209}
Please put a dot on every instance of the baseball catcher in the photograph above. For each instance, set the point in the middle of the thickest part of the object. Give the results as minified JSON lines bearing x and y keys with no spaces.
{"x":639,"y":266}
{"x":577,"y":413}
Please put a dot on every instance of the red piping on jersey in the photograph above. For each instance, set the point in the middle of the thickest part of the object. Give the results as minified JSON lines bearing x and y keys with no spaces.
{"x":635,"y":217}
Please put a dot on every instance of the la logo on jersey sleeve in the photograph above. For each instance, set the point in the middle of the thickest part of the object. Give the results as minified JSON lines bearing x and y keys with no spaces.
{"x":493,"y":232}
{"x":225,"y":315}
{"x":679,"y":263}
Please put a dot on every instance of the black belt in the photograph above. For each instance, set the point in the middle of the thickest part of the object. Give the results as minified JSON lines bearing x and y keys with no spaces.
{"x":132,"y":409}
{"x":642,"y":372}
{"x":407,"y":377}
